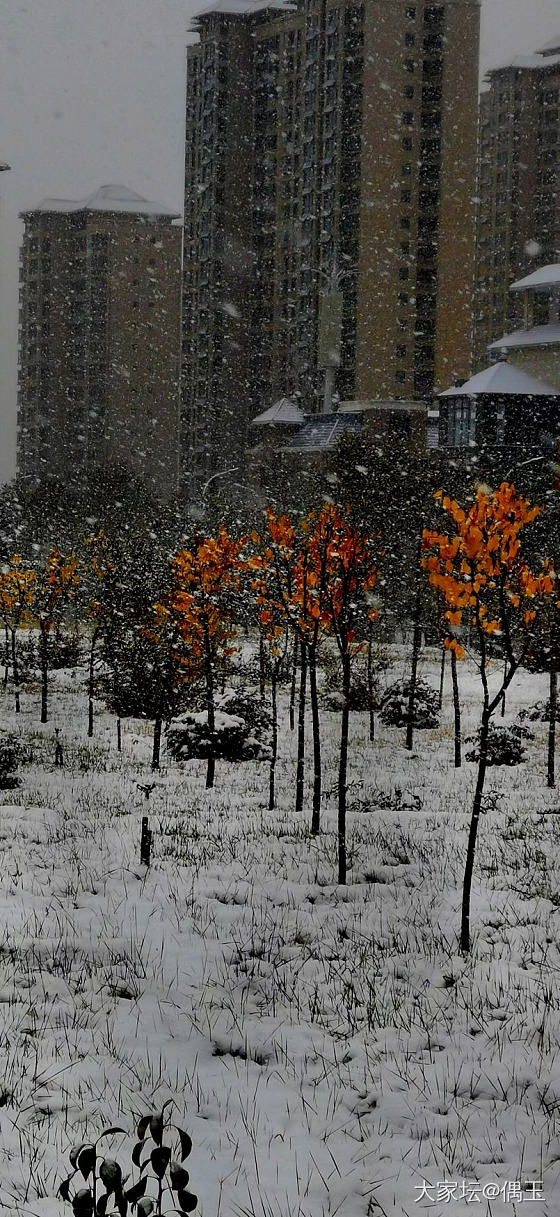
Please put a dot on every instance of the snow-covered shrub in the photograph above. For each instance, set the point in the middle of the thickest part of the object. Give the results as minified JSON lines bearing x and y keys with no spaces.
{"x":10,"y":756}
{"x":540,"y":712}
{"x":393,"y":710}
{"x":505,"y":745}
{"x":359,"y":685}
{"x":241,"y":733}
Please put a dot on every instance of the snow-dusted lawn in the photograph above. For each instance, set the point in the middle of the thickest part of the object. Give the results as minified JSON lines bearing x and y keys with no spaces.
{"x":328,"y":1049}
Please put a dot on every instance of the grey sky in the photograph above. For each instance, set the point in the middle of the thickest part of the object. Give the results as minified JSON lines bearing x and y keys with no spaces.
{"x":92,"y":91}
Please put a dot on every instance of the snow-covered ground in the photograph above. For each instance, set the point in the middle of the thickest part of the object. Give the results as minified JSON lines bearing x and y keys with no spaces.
{"x":328,"y":1049}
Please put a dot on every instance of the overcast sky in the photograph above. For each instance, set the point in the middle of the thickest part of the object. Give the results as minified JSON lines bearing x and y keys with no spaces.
{"x":92,"y":91}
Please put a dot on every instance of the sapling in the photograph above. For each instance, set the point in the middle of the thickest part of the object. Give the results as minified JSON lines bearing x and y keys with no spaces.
{"x":161,"y":1187}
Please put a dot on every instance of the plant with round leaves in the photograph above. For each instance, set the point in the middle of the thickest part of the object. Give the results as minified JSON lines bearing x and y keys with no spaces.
{"x":164,"y":1163}
{"x":108,"y":1191}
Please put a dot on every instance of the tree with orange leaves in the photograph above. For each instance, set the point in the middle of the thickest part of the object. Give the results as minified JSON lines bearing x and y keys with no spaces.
{"x":292,"y":587}
{"x":55,"y":587}
{"x":351,"y":566}
{"x":17,"y":590}
{"x":200,"y":607}
{"x":480,"y":572}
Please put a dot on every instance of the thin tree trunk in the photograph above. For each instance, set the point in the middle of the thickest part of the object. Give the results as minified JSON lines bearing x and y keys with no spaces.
{"x":343,"y":768}
{"x":503,"y":709}
{"x":261,"y":667}
{"x":119,"y":734}
{"x":442,"y":675}
{"x":371,"y":708}
{"x":6,"y":656}
{"x":44,"y":676}
{"x":416,"y":641}
{"x":316,"y":812}
{"x":156,"y":749}
{"x":90,"y":684}
{"x":300,"y":765}
{"x":293,"y":687}
{"x":15,"y":672}
{"x":471,"y":846}
{"x":274,"y":742}
{"x":211,"y":767}
{"x":553,"y":700}
{"x":456,"y":710}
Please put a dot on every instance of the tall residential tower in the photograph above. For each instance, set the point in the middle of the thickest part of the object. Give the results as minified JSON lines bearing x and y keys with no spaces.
{"x":100,"y":290}
{"x":329,"y":208}
{"x":518,"y":221}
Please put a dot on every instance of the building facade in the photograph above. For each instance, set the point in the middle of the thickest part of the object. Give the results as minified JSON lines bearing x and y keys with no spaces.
{"x":330,"y":162}
{"x":518,"y":218}
{"x":100,"y":292}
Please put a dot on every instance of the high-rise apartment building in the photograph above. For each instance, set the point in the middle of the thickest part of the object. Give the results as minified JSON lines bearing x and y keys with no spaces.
{"x":329,"y":208}
{"x":518,"y":220}
{"x":100,"y":291}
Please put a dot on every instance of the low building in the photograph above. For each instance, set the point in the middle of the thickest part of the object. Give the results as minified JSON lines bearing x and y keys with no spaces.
{"x":501,"y":407}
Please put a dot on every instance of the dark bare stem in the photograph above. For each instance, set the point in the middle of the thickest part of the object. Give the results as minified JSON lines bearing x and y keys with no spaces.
{"x":471,"y":846}
{"x":442,"y":676}
{"x":209,"y":674}
{"x":300,"y":766}
{"x":15,"y":672}
{"x":371,"y":707}
{"x":343,"y":769}
{"x":274,"y":741}
{"x":553,"y":701}
{"x":456,"y":710}
{"x":316,"y":812}
{"x":293,"y":687}
{"x":44,"y":673}
{"x":156,"y":749}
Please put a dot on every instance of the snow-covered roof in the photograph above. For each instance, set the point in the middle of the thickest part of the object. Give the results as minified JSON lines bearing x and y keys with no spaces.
{"x":503,"y":379}
{"x":283,"y":411}
{"x":323,"y":431}
{"x":550,"y":48}
{"x":526,"y":61}
{"x":536,"y":336}
{"x":109,"y":198}
{"x":239,"y":8}
{"x":543,"y":278}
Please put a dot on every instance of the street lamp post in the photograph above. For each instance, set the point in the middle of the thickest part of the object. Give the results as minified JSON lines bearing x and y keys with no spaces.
{"x":334,"y":278}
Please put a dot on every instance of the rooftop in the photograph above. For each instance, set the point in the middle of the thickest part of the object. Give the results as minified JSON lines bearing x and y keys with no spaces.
{"x":321,"y":431}
{"x":238,"y":8}
{"x":285,"y":411}
{"x":109,"y":199}
{"x":543,"y":278}
{"x":503,"y":379}
{"x":550,"y":48}
{"x":530,"y":62}
{"x":536,"y":336}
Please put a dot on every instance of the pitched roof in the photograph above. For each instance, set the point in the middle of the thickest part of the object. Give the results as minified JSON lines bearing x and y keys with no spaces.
{"x":503,"y":379}
{"x":285,"y":411}
{"x":322,"y":431}
{"x":108,"y":198}
{"x":536,"y":336}
{"x":543,"y":278}
{"x":550,"y":48}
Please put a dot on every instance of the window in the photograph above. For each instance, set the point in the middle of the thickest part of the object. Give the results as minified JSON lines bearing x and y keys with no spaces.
{"x":409,"y":38}
{"x":406,"y":169}
{"x":406,"y":143}
{"x":409,"y":65}
{"x":407,"y":118}
{"x":400,"y":351}
{"x":405,"y":221}
{"x":408,"y":91}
